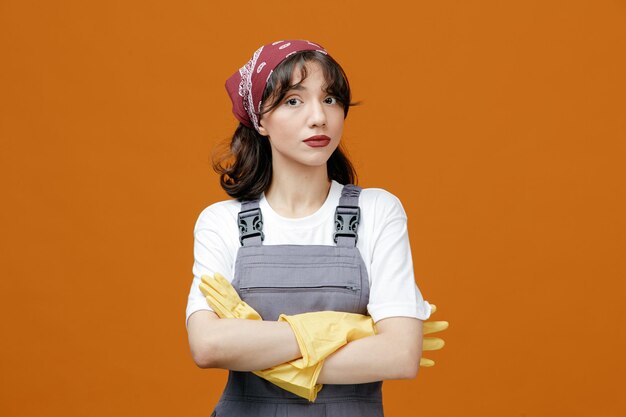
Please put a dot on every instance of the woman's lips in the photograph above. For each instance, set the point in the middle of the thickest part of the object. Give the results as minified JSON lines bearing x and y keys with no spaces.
{"x":317,"y":141}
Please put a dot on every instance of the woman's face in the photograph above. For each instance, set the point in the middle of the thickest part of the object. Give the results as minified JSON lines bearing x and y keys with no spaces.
{"x":303,"y":113}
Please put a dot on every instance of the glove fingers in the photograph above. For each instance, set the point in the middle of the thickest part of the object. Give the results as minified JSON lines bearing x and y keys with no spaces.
{"x":209,"y":287}
{"x":226,"y":288}
{"x":432,"y":343}
{"x":214,"y":297}
{"x":426,"y":362}
{"x":205,"y":284}
{"x":219,"y":285}
{"x":224,"y":299}
{"x":207,"y":290}
{"x":220,"y":309}
{"x":433,"y":308}
{"x":434,"y":326}
{"x":220,"y":289}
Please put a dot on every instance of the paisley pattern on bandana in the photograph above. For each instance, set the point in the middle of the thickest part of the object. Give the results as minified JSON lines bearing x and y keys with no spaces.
{"x":245,"y":86}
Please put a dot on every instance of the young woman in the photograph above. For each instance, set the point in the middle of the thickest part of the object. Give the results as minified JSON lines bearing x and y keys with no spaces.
{"x":298,"y":236}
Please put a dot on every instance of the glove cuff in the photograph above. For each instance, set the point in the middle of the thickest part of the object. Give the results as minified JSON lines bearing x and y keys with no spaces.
{"x":316,"y":387}
{"x":298,"y":331}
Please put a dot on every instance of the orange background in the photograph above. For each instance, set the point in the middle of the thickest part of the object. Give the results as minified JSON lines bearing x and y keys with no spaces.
{"x":499,"y":125}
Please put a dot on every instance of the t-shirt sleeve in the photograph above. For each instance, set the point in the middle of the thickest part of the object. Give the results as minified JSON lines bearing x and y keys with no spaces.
{"x":393,"y":291}
{"x":211,"y":255}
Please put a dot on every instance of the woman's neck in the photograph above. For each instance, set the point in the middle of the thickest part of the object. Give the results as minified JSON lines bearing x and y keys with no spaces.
{"x":298,"y":194}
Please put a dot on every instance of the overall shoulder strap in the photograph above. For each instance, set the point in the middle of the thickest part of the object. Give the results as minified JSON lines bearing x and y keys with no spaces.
{"x":250,"y":222}
{"x":347,"y":216}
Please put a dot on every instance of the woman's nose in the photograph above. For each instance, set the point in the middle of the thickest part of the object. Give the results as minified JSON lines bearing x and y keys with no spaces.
{"x":317,"y":117}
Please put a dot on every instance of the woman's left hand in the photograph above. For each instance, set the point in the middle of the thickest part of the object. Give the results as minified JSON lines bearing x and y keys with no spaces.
{"x":432,"y":343}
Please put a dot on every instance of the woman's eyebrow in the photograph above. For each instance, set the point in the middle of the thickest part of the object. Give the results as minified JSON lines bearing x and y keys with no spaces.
{"x":301,"y":87}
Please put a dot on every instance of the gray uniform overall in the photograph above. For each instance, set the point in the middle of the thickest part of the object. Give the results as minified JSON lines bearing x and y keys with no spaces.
{"x":293,"y":279}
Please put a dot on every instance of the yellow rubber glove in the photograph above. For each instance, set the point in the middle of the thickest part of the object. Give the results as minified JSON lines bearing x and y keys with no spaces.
{"x":321,"y":333}
{"x":432,"y":343}
{"x":302,"y":382}
{"x":224,"y":299}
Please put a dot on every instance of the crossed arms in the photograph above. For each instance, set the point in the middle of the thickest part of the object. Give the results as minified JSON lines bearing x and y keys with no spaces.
{"x":250,"y":345}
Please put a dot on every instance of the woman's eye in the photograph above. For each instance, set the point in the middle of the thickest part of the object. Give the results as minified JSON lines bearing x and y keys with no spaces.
{"x":294,"y":101}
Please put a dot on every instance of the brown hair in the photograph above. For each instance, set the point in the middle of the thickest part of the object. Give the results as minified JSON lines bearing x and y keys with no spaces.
{"x":245,"y":167}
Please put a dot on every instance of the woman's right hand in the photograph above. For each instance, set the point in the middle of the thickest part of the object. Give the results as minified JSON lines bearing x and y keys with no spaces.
{"x":224,"y":300}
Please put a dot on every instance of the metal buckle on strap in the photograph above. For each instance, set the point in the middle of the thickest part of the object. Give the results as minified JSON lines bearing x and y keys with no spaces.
{"x":347,"y":222}
{"x":250,"y":224}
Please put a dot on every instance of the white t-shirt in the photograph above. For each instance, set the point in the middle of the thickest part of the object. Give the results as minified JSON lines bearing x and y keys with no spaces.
{"x":383,"y":243}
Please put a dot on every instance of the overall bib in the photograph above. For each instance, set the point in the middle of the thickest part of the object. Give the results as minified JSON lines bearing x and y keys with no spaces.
{"x":294,"y":279}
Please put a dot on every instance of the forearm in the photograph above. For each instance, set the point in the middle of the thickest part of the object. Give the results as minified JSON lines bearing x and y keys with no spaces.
{"x":250,"y":345}
{"x":373,"y":358}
